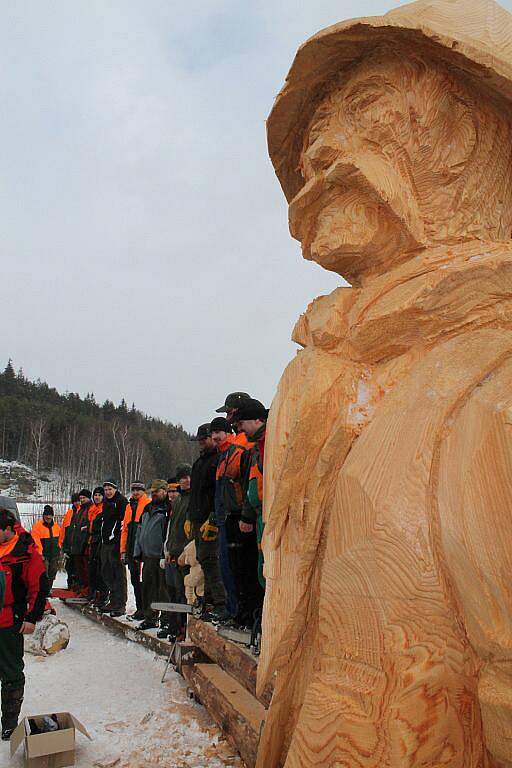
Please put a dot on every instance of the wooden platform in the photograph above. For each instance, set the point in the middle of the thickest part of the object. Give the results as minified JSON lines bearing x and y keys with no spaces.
{"x":233,"y":658}
{"x":236,"y":712}
{"x":221,"y":674}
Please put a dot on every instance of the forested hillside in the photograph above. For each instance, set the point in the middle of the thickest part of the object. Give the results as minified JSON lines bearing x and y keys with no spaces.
{"x":81,"y":440}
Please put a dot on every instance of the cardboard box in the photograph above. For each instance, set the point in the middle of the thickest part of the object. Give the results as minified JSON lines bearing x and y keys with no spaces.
{"x":55,"y":749}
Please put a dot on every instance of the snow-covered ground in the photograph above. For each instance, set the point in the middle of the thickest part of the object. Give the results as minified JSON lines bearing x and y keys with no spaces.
{"x":113,"y":687}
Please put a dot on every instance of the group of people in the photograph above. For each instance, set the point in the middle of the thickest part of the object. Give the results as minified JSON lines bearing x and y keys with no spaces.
{"x":193,"y":538}
{"x":208,"y":514}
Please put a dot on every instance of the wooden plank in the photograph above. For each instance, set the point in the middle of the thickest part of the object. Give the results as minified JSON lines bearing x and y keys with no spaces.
{"x":237,"y":713}
{"x":235,"y":659}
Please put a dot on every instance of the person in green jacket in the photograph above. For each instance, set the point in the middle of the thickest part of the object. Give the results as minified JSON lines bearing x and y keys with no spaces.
{"x":252,"y":419}
{"x":175,"y":543}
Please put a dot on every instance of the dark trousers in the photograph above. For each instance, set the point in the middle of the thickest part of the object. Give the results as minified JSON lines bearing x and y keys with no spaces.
{"x":96,"y":583}
{"x":154,"y":589}
{"x":226,"y":571}
{"x":70,"y":570}
{"x":11,"y":657}
{"x":243,"y":559}
{"x":52,"y":566}
{"x":134,"y":568}
{"x":114,"y":575}
{"x":175,"y":581}
{"x":81,"y":566}
{"x":207,"y":553}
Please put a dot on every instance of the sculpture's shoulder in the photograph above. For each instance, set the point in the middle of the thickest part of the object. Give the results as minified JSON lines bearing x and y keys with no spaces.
{"x":435,"y":296}
{"x":324,"y":323}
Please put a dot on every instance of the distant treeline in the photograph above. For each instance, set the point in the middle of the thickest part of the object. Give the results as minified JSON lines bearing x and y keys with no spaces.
{"x":83,"y":441}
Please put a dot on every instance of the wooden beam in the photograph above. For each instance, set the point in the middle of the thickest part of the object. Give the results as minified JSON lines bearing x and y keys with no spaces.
{"x":237,"y":713}
{"x":235,"y":659}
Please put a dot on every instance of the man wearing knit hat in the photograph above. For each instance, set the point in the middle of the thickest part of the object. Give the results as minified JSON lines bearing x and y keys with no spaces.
{"x":149,"y":549}
{"x":46,"y":533}
{"x":96,"y":584}
{"x":200,"y":526}
{"x":388,"y":609}
{"x":134,"y":509}
{"x":175,"y":543}
{"x":79,"y":547}
{"x":112,"y":569}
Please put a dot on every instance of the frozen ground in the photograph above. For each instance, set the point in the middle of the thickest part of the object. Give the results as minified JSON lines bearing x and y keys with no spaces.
{"x":113,"y":687}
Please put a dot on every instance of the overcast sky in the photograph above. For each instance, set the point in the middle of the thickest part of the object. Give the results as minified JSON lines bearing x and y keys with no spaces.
{"x":145,"y":248}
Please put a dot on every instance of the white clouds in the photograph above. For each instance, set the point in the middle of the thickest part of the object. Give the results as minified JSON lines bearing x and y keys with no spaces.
{"x":145,"y":235}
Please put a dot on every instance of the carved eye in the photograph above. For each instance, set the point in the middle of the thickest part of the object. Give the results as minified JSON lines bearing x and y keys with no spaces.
{"x":363,"y":101}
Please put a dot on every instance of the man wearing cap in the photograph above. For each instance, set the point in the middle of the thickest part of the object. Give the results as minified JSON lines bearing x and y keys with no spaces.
{"x":65,"y":539}
{"x":238,"y":550}
{"x":112,"y":569}
{"x":134,"y":509}
{"x":79,"y":544}
{"x":230,"y":407}
{"x":252,"y":420}
{"x":175,"y":543}
{"x":149,"y":545}
{"x":232,"y":402}
{"x":200,"y":527}
{"x":390,"y":644}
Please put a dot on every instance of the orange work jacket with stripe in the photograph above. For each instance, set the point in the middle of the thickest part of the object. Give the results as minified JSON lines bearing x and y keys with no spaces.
{"x":46,"y":539}
{"x":94,"y":511}
{"x":132,"y":515}
{"x":243,"y":440}
{"x":65,"y":525}
{"x":232,"y":466}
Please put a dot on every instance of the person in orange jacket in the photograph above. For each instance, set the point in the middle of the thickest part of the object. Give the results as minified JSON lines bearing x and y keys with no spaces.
{"x":26,"y":590}
{"x":46,"y":534}
{"x":65,"y":538}
{"x":134,"y":509}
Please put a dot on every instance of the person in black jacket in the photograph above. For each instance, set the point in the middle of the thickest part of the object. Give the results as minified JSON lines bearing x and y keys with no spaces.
{"x":79,"y":547}
{"x":175,"y":543}
{"x":112,"y":569}
{"x":149,"y":546}
{"x":201,"y":510}
{"x":97,"y":591}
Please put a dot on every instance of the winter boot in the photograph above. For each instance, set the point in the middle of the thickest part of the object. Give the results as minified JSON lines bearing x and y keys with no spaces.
{"x":137,"y":616}
{"x":12,"y":699}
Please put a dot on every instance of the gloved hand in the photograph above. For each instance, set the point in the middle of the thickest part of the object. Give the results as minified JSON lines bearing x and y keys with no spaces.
{"x":187,"y":527}
{"x":124,"y":558}
{"x":162,"y":563}
{"x":209,"y":532}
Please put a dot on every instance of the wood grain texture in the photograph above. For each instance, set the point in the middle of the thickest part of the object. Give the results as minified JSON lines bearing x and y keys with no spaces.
{"x":234,"y":710}
{"x":233,"y":658}
{"x":388,"y":464}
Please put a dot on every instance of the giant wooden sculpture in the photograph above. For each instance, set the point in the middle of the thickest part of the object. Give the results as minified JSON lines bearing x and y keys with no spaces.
{"x":388,"y":498}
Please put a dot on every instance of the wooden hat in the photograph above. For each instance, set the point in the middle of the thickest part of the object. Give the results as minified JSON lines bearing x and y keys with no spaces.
{"x":474,"y":36}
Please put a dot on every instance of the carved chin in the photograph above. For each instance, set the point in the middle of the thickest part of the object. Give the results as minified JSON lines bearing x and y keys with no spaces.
{"x":361,"y":249}
{"x":351,"y":234}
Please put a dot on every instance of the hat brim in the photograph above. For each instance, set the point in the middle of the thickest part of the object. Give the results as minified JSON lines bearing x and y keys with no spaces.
{"x":222,"y":409}
{"x":321,"y":59}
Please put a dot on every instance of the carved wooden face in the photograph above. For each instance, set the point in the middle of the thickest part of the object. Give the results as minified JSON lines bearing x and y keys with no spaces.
{"x":400,"y":155}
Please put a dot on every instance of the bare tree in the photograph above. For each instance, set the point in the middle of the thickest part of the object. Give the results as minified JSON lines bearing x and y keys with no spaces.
{"x":38,"y":433}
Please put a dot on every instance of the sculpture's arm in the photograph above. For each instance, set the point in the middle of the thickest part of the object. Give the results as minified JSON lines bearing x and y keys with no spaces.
{"x":475,"y":518}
